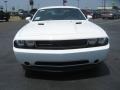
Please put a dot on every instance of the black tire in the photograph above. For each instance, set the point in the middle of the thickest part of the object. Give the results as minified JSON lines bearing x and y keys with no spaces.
{"x":115,"y":17}
{"x":28,"y":73}
{"x":7,"y":20}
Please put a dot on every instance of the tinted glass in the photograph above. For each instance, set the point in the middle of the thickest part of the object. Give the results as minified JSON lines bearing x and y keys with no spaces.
{"x":59,"y":14}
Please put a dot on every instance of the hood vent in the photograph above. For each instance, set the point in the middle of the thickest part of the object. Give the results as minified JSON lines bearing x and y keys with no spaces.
{"x":40,"y":23}
{"x":78,"y":22}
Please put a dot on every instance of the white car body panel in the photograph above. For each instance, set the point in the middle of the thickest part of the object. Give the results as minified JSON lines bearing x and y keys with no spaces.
{"x":67,"y":30}
{"x":90,"y":54}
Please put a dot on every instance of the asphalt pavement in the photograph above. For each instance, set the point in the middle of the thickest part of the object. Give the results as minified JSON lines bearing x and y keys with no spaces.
{"x":105,"y":77}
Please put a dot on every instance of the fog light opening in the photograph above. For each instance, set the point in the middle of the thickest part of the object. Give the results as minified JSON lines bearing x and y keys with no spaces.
{"x":27,"y":63}
{"x":96,"y":61}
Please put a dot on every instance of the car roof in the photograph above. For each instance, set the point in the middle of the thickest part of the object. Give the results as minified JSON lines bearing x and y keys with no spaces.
{"x":50,"y":7}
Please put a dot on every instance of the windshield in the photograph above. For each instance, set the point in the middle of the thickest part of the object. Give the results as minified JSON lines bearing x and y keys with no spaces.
{"x":58,"y":14}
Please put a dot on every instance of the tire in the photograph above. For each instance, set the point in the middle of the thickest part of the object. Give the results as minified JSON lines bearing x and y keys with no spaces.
{"x":7,"y":20}
{"x":113,"y":17}
{"x":117,"y":17}
{"x":28,"y":73}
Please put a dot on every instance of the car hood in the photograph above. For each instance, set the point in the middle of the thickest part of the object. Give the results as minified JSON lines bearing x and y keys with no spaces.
{"x":63,"y":29}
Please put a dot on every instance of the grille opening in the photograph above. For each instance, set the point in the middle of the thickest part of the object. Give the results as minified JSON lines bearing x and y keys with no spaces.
{"x":62,"y":44}
{"x":61,"y":63}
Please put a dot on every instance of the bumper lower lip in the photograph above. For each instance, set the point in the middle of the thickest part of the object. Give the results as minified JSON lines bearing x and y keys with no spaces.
{"x":58,"y":69}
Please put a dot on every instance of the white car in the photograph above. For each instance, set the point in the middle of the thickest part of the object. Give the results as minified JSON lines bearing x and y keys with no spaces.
{"x":58,"y":39}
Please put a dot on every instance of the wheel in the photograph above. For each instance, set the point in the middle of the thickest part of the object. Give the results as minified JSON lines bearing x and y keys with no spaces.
{"x":115,"y":17}
{"x":28,"y":73}
{"x":7,"y":20}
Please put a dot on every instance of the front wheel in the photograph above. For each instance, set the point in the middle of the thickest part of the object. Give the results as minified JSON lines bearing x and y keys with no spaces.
{"x":28,"y":72}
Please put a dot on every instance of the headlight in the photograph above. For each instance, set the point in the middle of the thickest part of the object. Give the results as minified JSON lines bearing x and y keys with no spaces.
{"x":102,"y":41}
{"x":19,"y":43}
{"x":30,"y":43}
{"x":24,"y":44}
{"x":98,"y":41}
{"x":92,"y":41}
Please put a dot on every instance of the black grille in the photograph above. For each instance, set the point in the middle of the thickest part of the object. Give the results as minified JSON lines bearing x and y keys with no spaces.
{"x":60,"y":66}
{"x":62,"y":44}
{"x":61,"y":63}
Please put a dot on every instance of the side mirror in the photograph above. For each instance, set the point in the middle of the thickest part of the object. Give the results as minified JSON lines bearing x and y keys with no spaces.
{"x":89,"y":17}
{"x":28,"y":19}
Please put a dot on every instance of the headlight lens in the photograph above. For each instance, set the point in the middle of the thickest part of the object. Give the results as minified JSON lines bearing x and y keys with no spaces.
{"x":92,"y":41}
{"x":24,"y":44}
{"x":102,"y":41}
{"x":19,"y":43}
{"x":30,"y":43}
{"x":98,"y":42}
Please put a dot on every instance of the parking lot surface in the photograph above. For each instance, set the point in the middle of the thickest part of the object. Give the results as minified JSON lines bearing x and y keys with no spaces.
{"x":105,"y":77}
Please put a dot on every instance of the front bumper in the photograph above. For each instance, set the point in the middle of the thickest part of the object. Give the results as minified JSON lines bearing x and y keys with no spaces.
{"x":76,"y":57}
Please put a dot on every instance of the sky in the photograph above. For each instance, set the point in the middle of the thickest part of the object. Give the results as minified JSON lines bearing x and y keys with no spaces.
{"x":24,"y":4}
